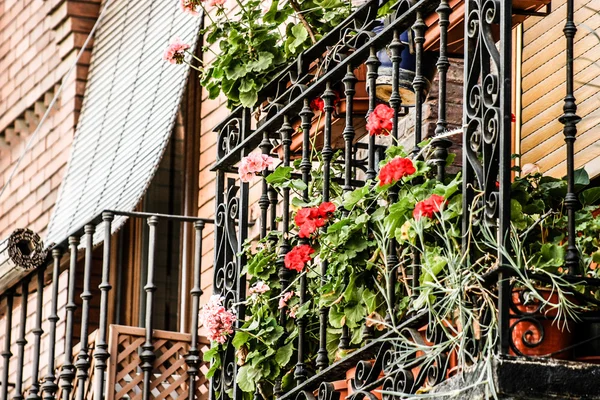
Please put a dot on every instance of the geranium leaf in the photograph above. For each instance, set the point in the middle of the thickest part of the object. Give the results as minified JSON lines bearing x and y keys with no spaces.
{"x":279,"y":176}
{"x":284,"y":353}
{"x":239,"y":339}
{"x":248,"y":99}
{"x":590,"y":196}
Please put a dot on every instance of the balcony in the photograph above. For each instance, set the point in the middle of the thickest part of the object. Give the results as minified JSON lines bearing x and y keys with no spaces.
{"x":378,"y":270}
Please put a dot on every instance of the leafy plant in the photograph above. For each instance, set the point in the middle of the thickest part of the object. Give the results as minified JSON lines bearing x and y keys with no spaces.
{"x":253,"y":43}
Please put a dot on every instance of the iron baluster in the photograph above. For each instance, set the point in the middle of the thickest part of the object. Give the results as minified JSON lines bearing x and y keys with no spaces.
{"x":263,"y":203}
{"x":193,"y":359}
{"x":147,"y":356}
{"x":285,"y":275}
{"x":101,"y":352}
{"x":6,"y":353}
{"x":49,"y":386}
{"x":348,"y":134}
{"x":83,"y":358}
{"x":439,"y":144}
{"x":327,"y":154}
{"x":67,"y":372}
{"x":21,"y":341}
{"x":418,"y":85}
{"x":395,"y":101}
{"x":570,"y":119}
{"x":34,"y":390}
{"x":306,"y":115}
{"x":372,"y":64}
{"x":419,"y":81}
{"x":273,"y":209}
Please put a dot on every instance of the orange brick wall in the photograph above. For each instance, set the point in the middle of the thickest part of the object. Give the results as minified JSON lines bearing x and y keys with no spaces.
{"x":39,"y":41}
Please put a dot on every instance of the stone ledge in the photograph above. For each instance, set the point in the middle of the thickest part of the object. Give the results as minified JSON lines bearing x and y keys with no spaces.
{"x":527,"y":379}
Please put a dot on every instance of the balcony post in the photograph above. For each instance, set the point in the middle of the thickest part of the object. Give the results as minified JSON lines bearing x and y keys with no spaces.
{"x":193,"y":357}
{"x":83,"y":358}
{"x":21,"y":341}
{"x":101,"y":353}
{"x":34,"y":390}
{"x":570,"y":119}
{"x":147,"y":356}
{"x":67,"y":372}
{"x":6,"y":354}
{"x":49,"y":386}
{"x":306,"y":114}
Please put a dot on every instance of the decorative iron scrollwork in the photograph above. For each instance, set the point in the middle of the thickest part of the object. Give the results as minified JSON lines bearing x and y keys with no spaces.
{"x":226,"y":278}
{"x":229,"y":137}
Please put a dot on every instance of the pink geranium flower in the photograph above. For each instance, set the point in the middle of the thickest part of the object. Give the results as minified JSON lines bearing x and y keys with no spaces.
{"x":217,"y":319}
{"x":176,"y":51}
{"x":259,"y":287}
{"x":213,"y":3}
{"x":253,"y":164}
{"x":189,"y":6}
{"x":285,"y":298}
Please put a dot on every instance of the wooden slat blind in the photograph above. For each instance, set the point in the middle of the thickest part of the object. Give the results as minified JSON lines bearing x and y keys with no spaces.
{"x":543,"y":83}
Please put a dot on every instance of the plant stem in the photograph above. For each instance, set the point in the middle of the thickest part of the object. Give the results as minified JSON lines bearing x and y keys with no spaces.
{"x":298,"y":12}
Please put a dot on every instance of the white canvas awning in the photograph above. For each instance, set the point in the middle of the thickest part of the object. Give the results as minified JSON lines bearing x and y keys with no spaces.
{"x":129,"y":110}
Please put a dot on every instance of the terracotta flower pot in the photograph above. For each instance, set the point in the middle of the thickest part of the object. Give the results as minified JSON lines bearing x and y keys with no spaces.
{"x":527,"y":337}
{"x":340,"y":386}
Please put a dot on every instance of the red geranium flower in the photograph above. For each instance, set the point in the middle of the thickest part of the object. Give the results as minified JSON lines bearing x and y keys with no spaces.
{"x":395,"y":170}
{"x":318,"y":104}
{"x":296,"y":258}
{"x":309,"y":219}
{"x":428,"y":207}
{"x":379,"y":121}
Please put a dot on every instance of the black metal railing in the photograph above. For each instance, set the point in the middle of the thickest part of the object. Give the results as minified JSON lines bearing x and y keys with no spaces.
{"x":486,"y":163}
{"x":75,"y":373}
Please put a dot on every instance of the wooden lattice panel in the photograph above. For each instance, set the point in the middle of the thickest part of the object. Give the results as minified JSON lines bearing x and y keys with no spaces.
{"x":169,"y":379}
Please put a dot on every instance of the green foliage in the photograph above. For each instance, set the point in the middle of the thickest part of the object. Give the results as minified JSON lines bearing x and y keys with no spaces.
{"x":252,"y":48}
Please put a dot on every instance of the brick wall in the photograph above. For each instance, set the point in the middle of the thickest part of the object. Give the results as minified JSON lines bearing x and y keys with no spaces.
{"x":39,"y":41}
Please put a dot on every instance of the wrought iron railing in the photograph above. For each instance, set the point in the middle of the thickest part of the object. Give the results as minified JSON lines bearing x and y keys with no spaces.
{"x":486,"y":167}
{"x":80,"y":364}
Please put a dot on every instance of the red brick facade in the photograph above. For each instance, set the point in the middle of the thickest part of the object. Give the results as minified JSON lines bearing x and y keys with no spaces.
{"x":39,"y":41}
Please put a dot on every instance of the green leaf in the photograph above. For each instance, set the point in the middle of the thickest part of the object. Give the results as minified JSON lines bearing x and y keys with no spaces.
{"x":239,"y":339}
{"x":582,"y":179}
{"x":216,"y":364}
{"x":210,"y":354}
{"x":247,"y":85}
{"x":235,"y":71}
{"x":355,"y":315}
{"x":550,"y":256}
{"x":296,"y":184}
{"x":247,"y":377}
{"x":284,"y":354}
{"x":298,"y":36}
{"x":280,"y":175}
{"x":264,"y":61}
{"x":590,"y":196}
{"x":248,"y":99}
{"x":336,"y":317}
{"x":353,"y":197}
